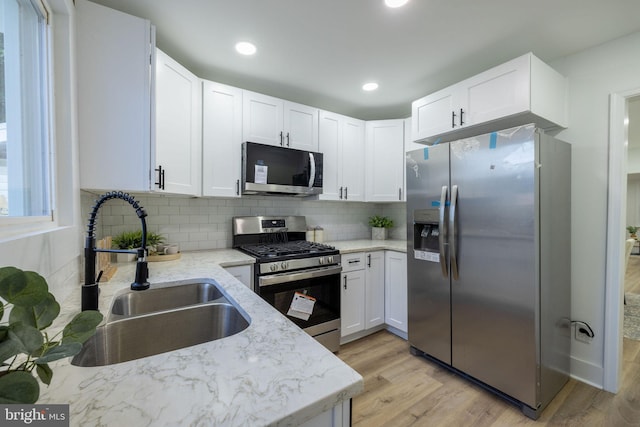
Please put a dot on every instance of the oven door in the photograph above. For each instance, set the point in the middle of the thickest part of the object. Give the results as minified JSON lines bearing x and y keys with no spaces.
{"x":322,"y":284}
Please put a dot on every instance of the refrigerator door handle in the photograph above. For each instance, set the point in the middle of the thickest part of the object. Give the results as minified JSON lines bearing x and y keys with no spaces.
{"x":453,"y":247}
{"x":441,"y":236}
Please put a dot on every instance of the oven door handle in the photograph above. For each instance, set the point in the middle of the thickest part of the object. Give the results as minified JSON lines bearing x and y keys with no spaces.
{"x":274,"y":279}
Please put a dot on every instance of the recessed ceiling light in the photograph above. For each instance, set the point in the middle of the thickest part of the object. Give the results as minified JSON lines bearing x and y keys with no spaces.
{"x":246,"y":48}
{"x":395,"y":3}
{"x":370,"y":86}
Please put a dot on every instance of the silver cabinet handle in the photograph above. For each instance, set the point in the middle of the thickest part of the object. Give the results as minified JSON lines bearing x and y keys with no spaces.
{"x":345,"y":281}
{"x":441,"y":235}
{"x":237,"y":187}
{"x":340,"y":193}
{"x":281,"y":140}
{"x":312,"y":173}
{"x":274,"y":279}
{"x":346,"y":193}
{"x":288,"y":142}
{"x":461,"y":117}
{"x":453,"y":246}
{"x":400,"y":194}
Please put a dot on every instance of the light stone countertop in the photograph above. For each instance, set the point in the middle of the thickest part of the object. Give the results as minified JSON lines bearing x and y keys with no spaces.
{"x":350,"y":246}
{"x":272,"y":373}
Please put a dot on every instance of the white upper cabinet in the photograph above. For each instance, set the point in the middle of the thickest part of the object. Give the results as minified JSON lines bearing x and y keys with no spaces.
{"x":523,"y":90}
{"x":385,"y":161}
{"x":178,"y":128}
{"x":221,"y":139}
{"x":138,"y":113}
{"x":342,"y":145}
{"x":114,"y":57}
{"x":269,"y":120}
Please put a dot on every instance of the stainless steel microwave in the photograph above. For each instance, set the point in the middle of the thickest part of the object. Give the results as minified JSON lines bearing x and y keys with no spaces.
{"x":269,"y":169}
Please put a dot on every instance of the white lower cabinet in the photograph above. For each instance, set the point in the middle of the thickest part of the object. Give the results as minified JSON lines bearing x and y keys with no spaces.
{"x":352,"y":302}
{"x":244,"y":273}
{"x":374,"y":289}
{"x":338,"y":416}
{"x":374,"y":294}
{"x":395,"y":290}
{"x":362,"y":298}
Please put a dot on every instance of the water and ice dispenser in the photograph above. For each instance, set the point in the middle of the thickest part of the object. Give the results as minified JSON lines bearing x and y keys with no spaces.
{"x":426,"y":234}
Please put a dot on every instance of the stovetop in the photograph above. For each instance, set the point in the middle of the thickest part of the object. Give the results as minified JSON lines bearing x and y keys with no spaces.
{"x":293,"y":249}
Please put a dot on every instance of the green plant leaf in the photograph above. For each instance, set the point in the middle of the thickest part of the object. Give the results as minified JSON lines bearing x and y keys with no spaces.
{"x":60,"y":352}
{"x":39,"y":316}
{"x":22,"y":288}
{"x":4,"y":333}
{"x":1,"y":309}
{"x":82,"y":327}
{"x":27,"y":337}
{"x":8,"y":349}
{"x":44,"y":373}
{"x":19,"y":387}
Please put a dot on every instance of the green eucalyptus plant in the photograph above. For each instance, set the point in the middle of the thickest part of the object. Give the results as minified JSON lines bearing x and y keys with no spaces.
{"x":24,"y":343}
{"x":380,"y":221}
{"x":133,"y":239}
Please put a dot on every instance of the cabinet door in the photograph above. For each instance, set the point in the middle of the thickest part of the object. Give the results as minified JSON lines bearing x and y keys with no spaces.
{"x":374,"y":291}
{"x":330,"y":143}
{"x":244,"y":273}
{"x":352,"y":160}
{"x":352,"y":303}
{"x":178,"y":127}
{"x":114,"y":57}
{"x":499,"y":92}
{"x":433,"y":114}
{"x":262,"y":118}
{"x":300,"y":126}
{"x":385,"y":160}
{"x":395,"y":290}
{"x":221,"y":140}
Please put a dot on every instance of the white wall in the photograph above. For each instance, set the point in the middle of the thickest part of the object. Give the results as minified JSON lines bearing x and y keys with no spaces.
{"x":593,"y":75}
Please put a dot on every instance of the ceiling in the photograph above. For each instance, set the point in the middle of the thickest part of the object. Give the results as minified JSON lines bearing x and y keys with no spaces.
{"x":320,"y":52}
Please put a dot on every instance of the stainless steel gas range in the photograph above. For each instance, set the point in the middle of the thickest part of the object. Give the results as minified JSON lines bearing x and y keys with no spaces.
{"x":301,"y":279}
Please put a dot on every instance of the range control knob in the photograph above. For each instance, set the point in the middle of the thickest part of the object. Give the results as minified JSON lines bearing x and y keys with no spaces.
{"x":273,"y":267}
{"x":321,"y":260}
{"x":330,"y":259}
{"x":284,"y":265}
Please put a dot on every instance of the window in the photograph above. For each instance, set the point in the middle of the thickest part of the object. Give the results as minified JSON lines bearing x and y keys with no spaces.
{"x":25,"y":184}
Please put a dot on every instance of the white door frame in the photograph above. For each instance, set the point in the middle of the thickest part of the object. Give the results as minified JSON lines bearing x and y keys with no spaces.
{"x":615,"y":262}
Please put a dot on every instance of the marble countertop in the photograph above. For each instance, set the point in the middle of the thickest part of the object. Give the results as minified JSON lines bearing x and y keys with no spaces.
{"x":350,"y":246}
{"x":272,"y":373}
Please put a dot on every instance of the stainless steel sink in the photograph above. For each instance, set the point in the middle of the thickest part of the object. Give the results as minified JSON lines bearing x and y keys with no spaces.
{"x":157,"y":326}
{"x":166,"y":296}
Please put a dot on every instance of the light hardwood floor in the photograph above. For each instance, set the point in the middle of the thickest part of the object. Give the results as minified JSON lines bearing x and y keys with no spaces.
{"x":404,"y":390}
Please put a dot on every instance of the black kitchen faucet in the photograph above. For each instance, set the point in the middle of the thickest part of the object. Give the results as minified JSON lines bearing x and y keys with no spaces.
{"x":90,"y":290}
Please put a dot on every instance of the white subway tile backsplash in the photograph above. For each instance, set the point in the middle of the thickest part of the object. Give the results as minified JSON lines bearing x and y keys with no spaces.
{"x":205,"y":223}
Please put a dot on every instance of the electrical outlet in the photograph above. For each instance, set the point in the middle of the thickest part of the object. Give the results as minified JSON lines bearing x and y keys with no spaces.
{"x":582,"y":335}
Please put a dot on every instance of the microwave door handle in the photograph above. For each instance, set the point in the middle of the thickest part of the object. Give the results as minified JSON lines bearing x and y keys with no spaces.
{"x":312,"y":177}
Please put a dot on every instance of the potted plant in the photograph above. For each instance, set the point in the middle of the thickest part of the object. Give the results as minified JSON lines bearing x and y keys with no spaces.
{"x":24,"y":343}
{"x":632,"y":231}
{"x":379,"y":225}
{"x":133,"y":240}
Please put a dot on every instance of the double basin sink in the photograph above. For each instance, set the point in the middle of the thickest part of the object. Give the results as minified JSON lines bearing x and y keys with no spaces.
{"x":167,"y":317}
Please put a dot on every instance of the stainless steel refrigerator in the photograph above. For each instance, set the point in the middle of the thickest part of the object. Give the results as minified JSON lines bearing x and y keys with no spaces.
{"x":488,"y":257}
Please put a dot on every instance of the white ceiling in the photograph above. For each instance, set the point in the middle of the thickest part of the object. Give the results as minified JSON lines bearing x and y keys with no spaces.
{"x":320,"y":52}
